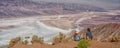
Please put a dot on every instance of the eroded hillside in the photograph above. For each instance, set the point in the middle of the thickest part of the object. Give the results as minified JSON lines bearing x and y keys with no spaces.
{"x":106,"y":32}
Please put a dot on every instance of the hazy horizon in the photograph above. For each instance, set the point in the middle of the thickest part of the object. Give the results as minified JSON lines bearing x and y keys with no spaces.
{"x":107,"y":4}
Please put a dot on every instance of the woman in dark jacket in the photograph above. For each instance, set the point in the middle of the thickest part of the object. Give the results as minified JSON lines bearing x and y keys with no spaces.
{"x":89,"y":34}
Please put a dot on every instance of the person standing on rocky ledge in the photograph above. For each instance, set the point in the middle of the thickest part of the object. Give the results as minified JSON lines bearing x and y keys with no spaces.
{"x":89,"y":35}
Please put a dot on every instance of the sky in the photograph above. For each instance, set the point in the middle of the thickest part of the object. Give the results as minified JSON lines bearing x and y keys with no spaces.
{"x":108,"y":4}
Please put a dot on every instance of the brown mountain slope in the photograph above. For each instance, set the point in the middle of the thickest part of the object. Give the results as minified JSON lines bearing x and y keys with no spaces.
{"x":106,"y":32}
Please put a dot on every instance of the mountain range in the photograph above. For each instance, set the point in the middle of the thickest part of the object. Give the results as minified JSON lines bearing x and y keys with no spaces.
{"x":17,"y":8}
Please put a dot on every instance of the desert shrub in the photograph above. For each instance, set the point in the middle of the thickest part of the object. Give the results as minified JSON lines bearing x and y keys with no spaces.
{"x":119,"y":38}
{"x":83,"y":44}
{"x":37,"y":39}
{"x":14,"y":41}
{"x":59,"y":38}
{"x":113,"y":39}
{"x":27,"y":37}
{"x":25,"y":42}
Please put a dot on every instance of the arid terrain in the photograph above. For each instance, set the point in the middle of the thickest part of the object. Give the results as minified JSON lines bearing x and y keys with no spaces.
{"x":52,"y":24}
{"x":107,"y":40}
{"x":62,"y":23}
